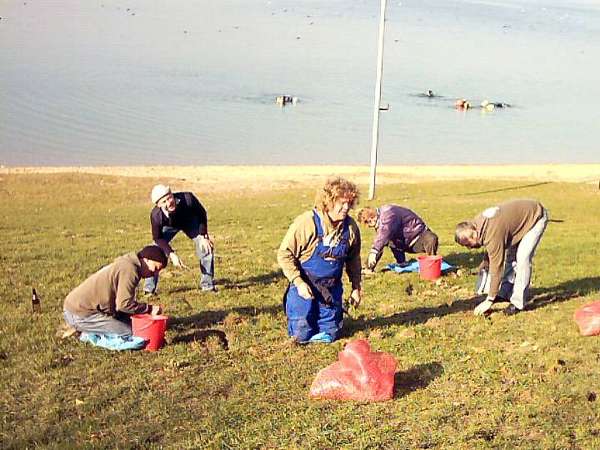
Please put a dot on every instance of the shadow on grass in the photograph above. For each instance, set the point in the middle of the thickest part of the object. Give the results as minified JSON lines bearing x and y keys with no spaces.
{"x":464,"y":260}
{"x":178,"y":289}
{"x":564,"y":291}
{"x":415,"y":378}
{"x":510,"y":188}
{"x":209,"y":318}
{"x":262,"y":279}
{"x":412,"y":317}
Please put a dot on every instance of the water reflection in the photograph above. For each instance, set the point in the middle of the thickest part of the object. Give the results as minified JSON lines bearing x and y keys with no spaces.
{"x":176,"y":82}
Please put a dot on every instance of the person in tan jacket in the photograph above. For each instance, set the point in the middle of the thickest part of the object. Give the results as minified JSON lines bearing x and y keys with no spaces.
{"x":104,"y":302}
{"x":510,"y":233}
{"x":313,"y":254}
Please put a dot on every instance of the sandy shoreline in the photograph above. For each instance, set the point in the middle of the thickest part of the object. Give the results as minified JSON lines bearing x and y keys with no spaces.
{"x":259,"y":178}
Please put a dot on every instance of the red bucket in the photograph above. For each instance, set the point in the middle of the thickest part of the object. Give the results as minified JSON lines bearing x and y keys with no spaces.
{"x":149,"y":327}
{"x":430,"y":267}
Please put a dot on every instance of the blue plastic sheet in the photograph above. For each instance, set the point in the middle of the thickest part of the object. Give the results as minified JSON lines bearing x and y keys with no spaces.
{"x":324,"y":338}
{"x":413,"y":266}
{"x":113,"y":341}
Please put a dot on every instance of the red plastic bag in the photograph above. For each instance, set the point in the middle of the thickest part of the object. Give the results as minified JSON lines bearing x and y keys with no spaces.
{"x":588,"y":319}
{"x":360,"y":374}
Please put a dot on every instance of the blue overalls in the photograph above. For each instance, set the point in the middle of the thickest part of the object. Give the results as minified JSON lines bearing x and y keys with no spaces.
{"x":323,"y":273}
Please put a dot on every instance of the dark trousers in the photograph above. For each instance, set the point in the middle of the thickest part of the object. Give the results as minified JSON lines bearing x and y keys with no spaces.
{"x":427,"y":242}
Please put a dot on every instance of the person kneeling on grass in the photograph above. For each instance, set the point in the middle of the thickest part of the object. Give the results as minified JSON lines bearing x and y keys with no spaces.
{"x":510,"y":232}
{"x":312,"y":255}
{"x":103,"y":303}
{"x":400,"y":229}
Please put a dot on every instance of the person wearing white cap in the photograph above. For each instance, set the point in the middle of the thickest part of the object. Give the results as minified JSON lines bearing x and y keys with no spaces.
{"x":510,"y":233}
{"x":181,"y":211}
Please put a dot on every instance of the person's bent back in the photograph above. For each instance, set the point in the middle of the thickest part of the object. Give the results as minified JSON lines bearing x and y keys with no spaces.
{"x":103,"y":303}
{"x":399,"y":228}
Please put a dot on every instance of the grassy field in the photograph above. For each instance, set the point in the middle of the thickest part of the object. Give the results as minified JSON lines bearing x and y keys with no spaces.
{"x":527,"y":381}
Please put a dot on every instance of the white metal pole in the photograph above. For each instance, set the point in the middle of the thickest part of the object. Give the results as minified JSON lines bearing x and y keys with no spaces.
{"x":376,"y":109}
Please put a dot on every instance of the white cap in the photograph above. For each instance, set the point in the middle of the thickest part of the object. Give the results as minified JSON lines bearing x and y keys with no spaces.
{"x":158,"y":192}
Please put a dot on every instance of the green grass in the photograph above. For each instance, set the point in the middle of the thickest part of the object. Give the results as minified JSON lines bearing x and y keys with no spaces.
{"x":463,"y":382}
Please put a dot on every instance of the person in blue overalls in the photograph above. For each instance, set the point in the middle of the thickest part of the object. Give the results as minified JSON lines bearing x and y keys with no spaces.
{"x":312,"y":255}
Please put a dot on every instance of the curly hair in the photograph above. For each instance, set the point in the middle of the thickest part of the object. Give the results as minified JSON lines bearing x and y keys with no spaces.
{"x":334,"y":189}
{"x":365,"y":214}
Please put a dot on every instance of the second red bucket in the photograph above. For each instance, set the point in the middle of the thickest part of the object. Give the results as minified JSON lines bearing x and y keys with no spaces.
{"x":430,"y":267}
{"x":149,"y":327}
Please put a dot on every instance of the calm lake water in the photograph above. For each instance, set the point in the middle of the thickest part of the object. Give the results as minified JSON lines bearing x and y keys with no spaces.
{"x":111,"y":82}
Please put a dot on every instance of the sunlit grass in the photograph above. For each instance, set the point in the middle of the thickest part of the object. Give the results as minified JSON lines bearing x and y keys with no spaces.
{"x":464,"y":382}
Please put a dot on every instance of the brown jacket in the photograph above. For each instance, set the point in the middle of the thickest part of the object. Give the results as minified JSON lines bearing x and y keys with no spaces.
{"x":501,"y":227}
{"x":110,"y":290}
{"x":301,"y":240}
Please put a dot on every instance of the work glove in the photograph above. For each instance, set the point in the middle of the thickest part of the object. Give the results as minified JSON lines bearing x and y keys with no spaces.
{"x":355,"y":297}
{"x":155,"y":310}
{"x":303,"y":289}
{"x":484,"y":265}
{"x":371,"y":261}
{"x":206,"y":245}
{"x":175,"y":260}
{"x":484,"y":307}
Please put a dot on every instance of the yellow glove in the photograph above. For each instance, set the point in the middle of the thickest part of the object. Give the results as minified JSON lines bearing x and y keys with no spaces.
{"x":371,"y":261}
{"x":303,"y":289}
{"x":175,"y":260}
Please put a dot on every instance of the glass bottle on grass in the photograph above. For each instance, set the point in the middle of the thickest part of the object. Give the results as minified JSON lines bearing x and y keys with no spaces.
{"x":36,"y":303}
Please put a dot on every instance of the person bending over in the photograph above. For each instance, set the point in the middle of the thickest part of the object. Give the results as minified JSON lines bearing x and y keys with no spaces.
{"x":400,"y":229}
{"x":104,"y":302}
{"x":175,"y":212}
{"x":510,"y":233}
